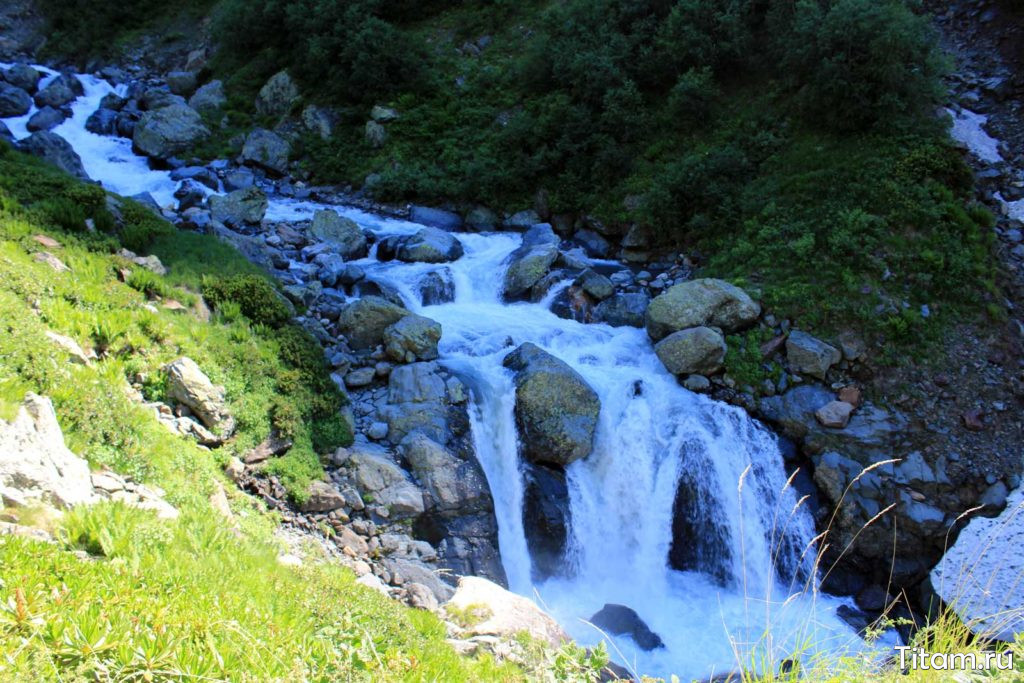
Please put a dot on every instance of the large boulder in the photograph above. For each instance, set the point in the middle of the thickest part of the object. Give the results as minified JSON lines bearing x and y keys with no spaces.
{"x":380,"y":480}
{"x":979,"y":576}
{"x":623,"y":310}
{"x":503,"y":614}
{"x":56,"y":150}
{"x":23,"y":76}
{"x":102,"y":122}
{"x":429,"y":245}
{"x":168,"y":131}
{"x":435,"y":218}
{"x":421,"y":397}
{"x":364,"y":321}
{"x":277,"y":96}
{"x":704,"y":302}
{"x":267,"y":150}
{"x":35,"y":465}
{"x":412,"y":338}
{"x":556,"y":410}
{"x":241,"y":207}
{"x":322,"y":497}
{"x":189,"y":385}
{"x":454,"y":486}
{"x":59,"y":92}
{"x":209,"y":98}
{"x":531,"y":261}
{"x":343,"y":233}
{"x":693,"y":351}
{"x":158,"y":98}
{"x":808,"y":355}
{"x":182,"y":82}
{"x":13,"y":101}
{"x":320,"y":121}
{"x":436,"y":287}
{"x":620,"y":620}
{"x":45,"y":119}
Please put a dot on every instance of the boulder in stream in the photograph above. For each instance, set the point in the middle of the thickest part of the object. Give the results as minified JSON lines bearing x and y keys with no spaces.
{"x":620,"y":620}
{"x":703,"y":302}
{"x":171,"y":130}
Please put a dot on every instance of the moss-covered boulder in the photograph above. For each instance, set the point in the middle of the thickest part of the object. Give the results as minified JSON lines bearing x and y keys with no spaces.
{"x":556,"y":410}
{"x":696,"y":351}
{"x":703,"y":302}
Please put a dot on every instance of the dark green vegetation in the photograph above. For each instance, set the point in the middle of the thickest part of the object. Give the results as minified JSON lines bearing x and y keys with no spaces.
{"x":792,"y":144}
{"x":274,"y":372}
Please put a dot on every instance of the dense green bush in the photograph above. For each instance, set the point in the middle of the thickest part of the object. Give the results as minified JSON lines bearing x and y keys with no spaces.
{"x":256,"y":297}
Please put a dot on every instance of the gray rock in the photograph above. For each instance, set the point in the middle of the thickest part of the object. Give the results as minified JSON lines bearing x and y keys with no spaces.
{"x":834,"y":414}
{"x":320,"y":121}
{"x":481,"y":219}
{"x":436,"y":287}
{"x":55,"y":150}
{"x":435,"y":218}
{"x":13,"y":101}
{"x":158,"y":98}
{"x":702,"y":302}
{"x":277,"y":96}
{"x":505,"y":614}
{"x":189,"y":385}
{"x":102,"y":122}
{"x":267,"y":150}
{"x":697,"y":383}
{"x":23,"y":76}
{"x":623,"y":310}
{"x":556,"y":410}
{"x":168,"y":131}
{"x":620,"y":620}
{"x":531,"y":261}
{"x":376,"y":134}
{"x":810,"y":356}
{"x":45,"y":119}
{"x":378,"y":431}
{"x":547,"y":518}
{"x":322,"y":497}
{"x":209,"y":98}
{"x":381,"y":481}
{"x":595,"y":284}
{"x":404,"y":572}
{"x":182,"y":82}
{"x":60,"y":91}
{"x":594,"y":244}
{"x":523,"y":220}
{"x":383,"y":114}
{"x":693,"y":351}
{"x":454,"y":486}
{"x":189,"y":194}
{"x":360,"y":378}
{"x":241,"y":207}
{"x":239,"y":179}
{"x":363,"y":322}
{"x":342,"y":233}
{"x":6,"y":134}
{"x":412,"y":338}
{"x":35,"y":464}
{"x":429,"y":245}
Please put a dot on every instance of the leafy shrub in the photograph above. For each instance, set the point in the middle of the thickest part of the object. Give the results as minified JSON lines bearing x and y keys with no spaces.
{"x":255,"y":296}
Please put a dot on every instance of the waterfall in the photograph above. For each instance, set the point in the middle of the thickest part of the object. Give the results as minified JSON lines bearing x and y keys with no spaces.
{"x":682,"y":511}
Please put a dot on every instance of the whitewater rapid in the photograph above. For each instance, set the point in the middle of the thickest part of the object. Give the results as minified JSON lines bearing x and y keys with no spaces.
{"x":652,"y":434}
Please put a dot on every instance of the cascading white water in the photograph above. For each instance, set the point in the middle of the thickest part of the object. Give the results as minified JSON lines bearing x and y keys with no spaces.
{"x":741,"y":596}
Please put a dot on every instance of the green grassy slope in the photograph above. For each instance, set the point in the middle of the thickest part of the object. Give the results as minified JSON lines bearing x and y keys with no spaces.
{"x":197,"y":598}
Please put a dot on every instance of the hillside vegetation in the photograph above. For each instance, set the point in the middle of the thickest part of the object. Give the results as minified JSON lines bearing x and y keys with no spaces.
{"x":201,"y":597}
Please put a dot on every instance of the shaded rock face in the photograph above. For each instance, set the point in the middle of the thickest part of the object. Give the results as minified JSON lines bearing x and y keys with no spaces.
{"x":45,"y":119}
{"x":59,"y":92}
{"x":437,"y":287}
{"x":699,"y":542}
{"x":504,"y":614}
{"x":23,"y":76}
{"x":697,"y":350}
{"x":189,"y":385}
{"x":623,"y":310}
{"x":209,"y":98}
{"x":547,"y":519}
{"x":702,"y":302}
{"x":13,"y":101}
{"x":422,"y":397}
{"x":435,"y":218}
{"x":455,"y":487}
{"x":241,"y":207}
{"x":622,"y":621}
{"x":168,"y":131}
{"x":35,"y":465}
{"x":379,"y":477}
{"x":267,"y":150}
{"x":342,"y":233}
{"x":530,"y":262}
{"x":277,"y":96}
{"x":556,"y":410}
{"x":55,"y":150}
